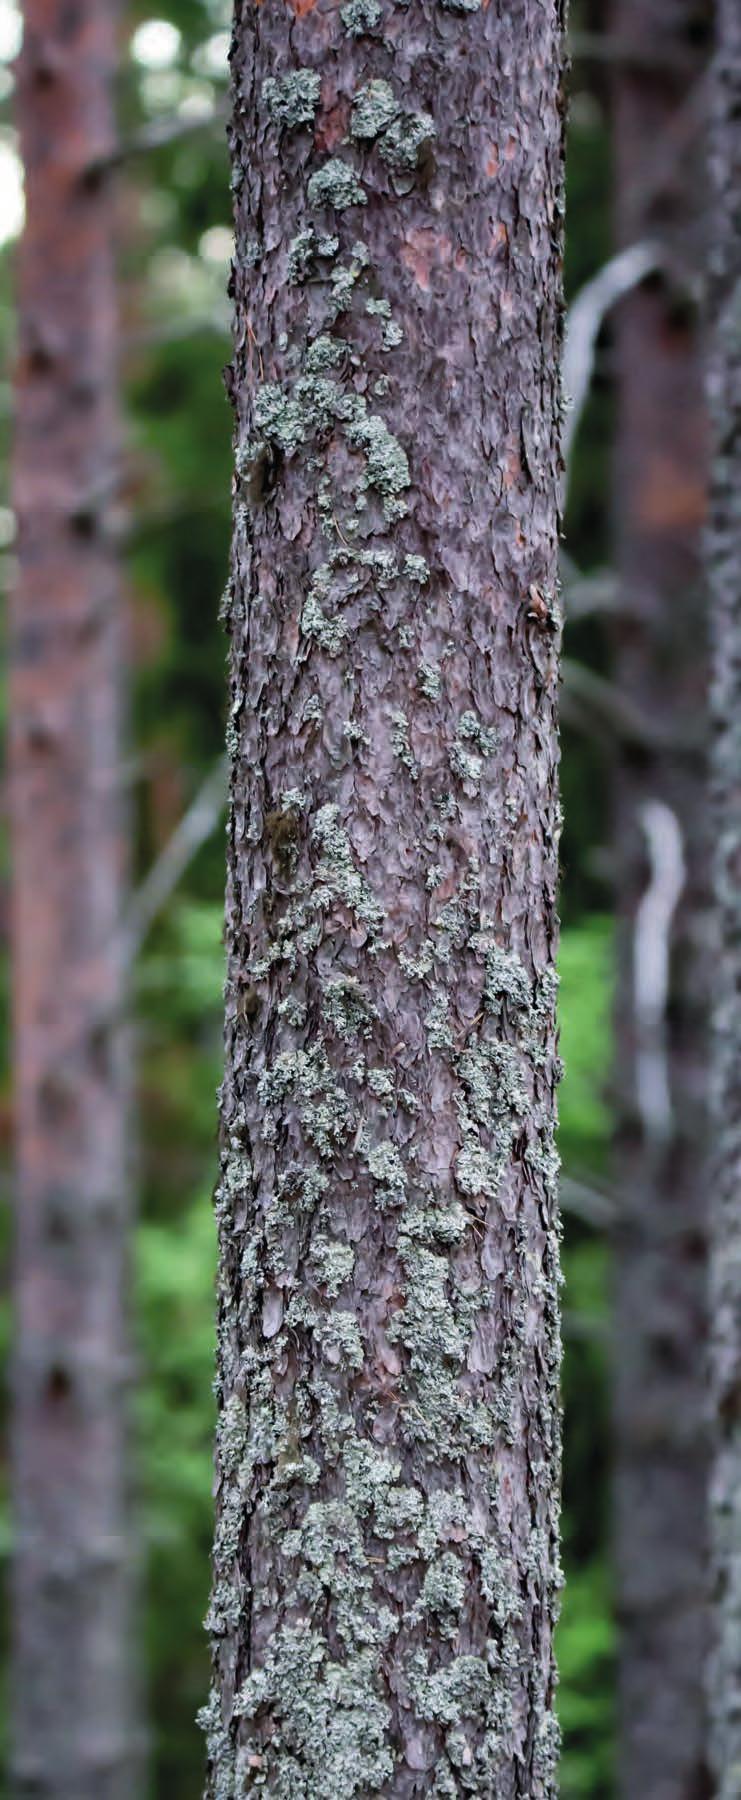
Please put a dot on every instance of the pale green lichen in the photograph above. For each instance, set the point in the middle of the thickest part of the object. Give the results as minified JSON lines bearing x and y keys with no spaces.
{"x":391,"y":333}
{"x":437,"y":1023}
{"x":334,"y":1262}
{"x":387,"y":467}
{"x":330,"y":631}
{"x":419,"y":966}
{"x":468,"y":764}
{"x":293,"y":800}
{"x":286,"y":419}
{"x":332,"y":1725}
{"x":301,"y":255}
{"x":429,"y":681}
{"x":443,"y":1592}
{"x":344,"y":278}
{"x":416,"y":569}
{"x":505,"y":978}
{"x":305,"y":248}
{"x":336,"y":184}
{"x":324,"y":353}
{"x":347,"y":1008}
{"x":471,"y":730}
{"x":459,"y":1690}
{"x":341,"y":1341}
{"x":374,"y":107}
{"x":218,"y":1747}
{"x":401,"y":745}
{"x":231,"y":1434}
{"x":292,"y":99}
{"x":386,"y":1170}
{"x":361,"y":16}
{"x":337,"y":871}
{"x":381,"y":1085}
{"x":306,"y":1078}
{"x":405,"y":143}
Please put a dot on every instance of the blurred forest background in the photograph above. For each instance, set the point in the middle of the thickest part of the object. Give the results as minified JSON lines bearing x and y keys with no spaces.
{"x":175,"y":249}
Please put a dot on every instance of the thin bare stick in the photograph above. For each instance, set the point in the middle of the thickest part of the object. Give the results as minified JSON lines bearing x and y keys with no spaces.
{"x":651,"y":947}
{"x":587,"y":1202}
{"x":193,"y":830}
{"x":585,"y":320}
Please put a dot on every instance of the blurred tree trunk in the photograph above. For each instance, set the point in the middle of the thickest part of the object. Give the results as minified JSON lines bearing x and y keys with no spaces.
{"x":724,"y":555}
{"x":660,"y":1314}
{"x":386,"y":1550}
{"x":72,"y":1722}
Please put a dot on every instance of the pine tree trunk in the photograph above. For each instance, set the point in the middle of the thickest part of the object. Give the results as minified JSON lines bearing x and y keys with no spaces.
{"x":724,"y":557}
{"x":660,"y":1304}
{"x":386,"y":1551}
{"x":71,"y":1710}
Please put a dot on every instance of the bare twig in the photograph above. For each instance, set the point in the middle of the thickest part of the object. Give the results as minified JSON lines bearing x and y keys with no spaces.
{"x":587,"y":1202}
{"x":651,"y":944}
{"x":587,"y":596}
{"x":584,"y":323}
{"x":193,"y":830}
{"x":636,"y":53}
{"x":159,"y":133}
{"x":598,"y":703}
{"x":174,"y":331}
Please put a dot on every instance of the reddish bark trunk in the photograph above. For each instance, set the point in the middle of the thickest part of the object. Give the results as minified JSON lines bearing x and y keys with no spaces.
{"x":72,"y":1716}
{"x":386,"y":1550}
{"x":660,"y":1315}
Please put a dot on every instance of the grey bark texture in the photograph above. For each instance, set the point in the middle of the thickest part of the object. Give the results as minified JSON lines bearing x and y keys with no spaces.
{"x":724,"y":556}
{"x":660,"y":1328}
{"x":72,"y":1671}
{"x":386,"y":1552}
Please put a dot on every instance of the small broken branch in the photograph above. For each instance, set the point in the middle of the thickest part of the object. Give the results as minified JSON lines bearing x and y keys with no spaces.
{"x":193,"y":830}
{"x":651,"y":952}
{"x":584,"y":322}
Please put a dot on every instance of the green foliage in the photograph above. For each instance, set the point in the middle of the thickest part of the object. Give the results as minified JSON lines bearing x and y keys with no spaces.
{"x":585,"y":964}
{"x":586,"y":1633}
{"x":174,"y":1416}
{"x":180,"y":1011}
{"x":585,"y":1654}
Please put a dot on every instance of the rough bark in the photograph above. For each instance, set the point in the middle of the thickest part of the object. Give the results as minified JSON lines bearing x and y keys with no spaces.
{"x":386,"y":1550}
{"x":71,"y":1711}
{"x":724,"y":561}
{"x":661,"y":1460}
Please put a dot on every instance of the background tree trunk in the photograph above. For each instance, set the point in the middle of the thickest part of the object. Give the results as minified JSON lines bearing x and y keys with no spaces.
{"x":386,"y":1552}
{"x":724,"y":555}
{"x":72,"y":1714}
{"x":660,"y":1308}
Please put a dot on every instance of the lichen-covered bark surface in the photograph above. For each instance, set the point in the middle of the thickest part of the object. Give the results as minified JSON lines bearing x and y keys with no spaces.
{"x":660,"y":660}
{"x":386,"y":1551}
{"x":724,"y":552}
{"x":71,"y":1716}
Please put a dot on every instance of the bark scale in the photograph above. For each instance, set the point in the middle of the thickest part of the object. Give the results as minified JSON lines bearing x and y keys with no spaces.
{"x":661,"y":1458}
{"x":724,"y":563}
{"x":386,"y":1550}
{"x":72,"y":1671}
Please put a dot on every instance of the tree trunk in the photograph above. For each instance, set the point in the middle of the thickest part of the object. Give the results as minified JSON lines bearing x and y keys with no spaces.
{"x":386,"y":1551}
{"x":660,"y":1307}
{"x":72,"y":1716}
{"x":724,"y":558}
